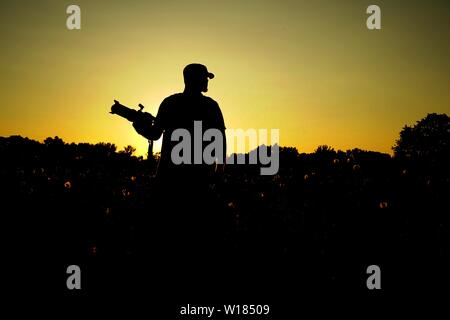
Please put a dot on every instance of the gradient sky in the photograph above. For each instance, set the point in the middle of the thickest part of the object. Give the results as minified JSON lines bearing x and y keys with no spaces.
{"x":310,"y":68}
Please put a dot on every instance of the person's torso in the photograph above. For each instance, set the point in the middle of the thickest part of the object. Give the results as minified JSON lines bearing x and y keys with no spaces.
{"x":195,"y":114}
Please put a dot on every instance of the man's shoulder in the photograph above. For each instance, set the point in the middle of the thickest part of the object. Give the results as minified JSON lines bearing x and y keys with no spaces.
{"x":210,"y":100}
{"x":173,"y":98}
{"x":179,"y":97}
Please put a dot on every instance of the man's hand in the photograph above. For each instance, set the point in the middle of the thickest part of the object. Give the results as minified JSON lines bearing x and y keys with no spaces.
{"x":141,"y":126}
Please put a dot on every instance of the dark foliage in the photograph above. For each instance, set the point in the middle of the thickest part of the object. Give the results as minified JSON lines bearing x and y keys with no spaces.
{"x":84,"y":202}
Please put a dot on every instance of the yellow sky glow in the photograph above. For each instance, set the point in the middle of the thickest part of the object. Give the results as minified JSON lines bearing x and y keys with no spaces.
{"x":309,"y":68}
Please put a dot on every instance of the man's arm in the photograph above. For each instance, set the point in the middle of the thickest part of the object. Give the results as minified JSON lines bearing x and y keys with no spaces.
{"x":147,"y":130}
{"x":220,"y":167}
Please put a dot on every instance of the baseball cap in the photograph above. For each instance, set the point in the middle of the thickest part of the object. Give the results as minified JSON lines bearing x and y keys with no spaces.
{"x":195,"y":70}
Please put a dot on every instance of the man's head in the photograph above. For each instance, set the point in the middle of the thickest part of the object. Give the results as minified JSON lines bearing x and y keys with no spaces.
{"x":196,"y":77}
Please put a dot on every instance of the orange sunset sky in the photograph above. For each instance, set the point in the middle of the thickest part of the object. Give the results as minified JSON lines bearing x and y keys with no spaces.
{"x":312,"y":69}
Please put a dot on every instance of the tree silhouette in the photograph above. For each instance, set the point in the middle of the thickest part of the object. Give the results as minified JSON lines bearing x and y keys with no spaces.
{"x":324,"y":149}
{"x":56,"y":141}
{"x":428,"y":140}
{"x":129,"y":150}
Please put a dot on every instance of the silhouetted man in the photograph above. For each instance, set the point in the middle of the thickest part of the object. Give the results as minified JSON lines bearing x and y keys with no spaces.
{"x":179,"y":111}
{"x":186,"y":203}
